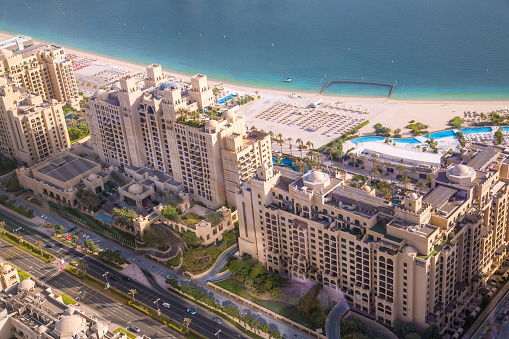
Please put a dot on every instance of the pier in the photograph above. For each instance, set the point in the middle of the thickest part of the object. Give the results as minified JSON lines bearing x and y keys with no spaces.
{"x":362,"y":83}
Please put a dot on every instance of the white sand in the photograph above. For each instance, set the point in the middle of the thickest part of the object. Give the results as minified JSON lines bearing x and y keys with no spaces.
{"x":390,"y":113}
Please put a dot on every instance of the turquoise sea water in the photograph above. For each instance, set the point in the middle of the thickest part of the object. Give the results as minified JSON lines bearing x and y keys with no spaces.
{"x":434,"y":49}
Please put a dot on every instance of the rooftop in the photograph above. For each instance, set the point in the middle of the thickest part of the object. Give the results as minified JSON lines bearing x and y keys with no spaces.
{"x":484,"y":158}
{"x":66,"y":168}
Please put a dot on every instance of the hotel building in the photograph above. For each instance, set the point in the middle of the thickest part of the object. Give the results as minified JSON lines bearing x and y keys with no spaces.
{"x":43,"y":69}
{"x":30,"y":129}
{"x":161,"y":127}
{"x":421,"y":261}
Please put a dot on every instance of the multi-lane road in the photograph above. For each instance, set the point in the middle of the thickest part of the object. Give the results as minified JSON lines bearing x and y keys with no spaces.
{"x":202,"y":321}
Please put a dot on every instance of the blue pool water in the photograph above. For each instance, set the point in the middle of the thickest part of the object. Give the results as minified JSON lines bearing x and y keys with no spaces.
{"x":104,"y":217}
{"x":398,"y":141}
{"x":285,"y":161}
{"x":475,"y":130}
{"x":68,"y":116}
{"x":226,"y":98}
{"x":430,"y":49}
{"x":443,"y":134}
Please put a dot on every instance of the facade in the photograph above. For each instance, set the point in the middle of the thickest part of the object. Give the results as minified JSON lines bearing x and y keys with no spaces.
{"x":8,"y":277}
{"x":59,"y":177}
{"x":43,"y":69}
{"x":30,"y":129}
{"x":161,"y":128}
{"x":422,"y":261}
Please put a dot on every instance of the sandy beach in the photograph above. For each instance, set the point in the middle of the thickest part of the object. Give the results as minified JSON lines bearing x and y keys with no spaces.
{"x":390,"y":113}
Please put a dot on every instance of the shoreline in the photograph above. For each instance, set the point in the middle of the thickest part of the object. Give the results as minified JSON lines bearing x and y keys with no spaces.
{"x":251,"y":89}
{"x":392,"y":113}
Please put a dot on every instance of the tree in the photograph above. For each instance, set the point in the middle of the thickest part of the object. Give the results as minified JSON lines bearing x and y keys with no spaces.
{"x":214,"y":218}
{"x":39,"y":244}
{"x":87,"y":198}
{"x":189,"y":238}
{"x":281,"y":141}
{"x":82,"y":266}
{"x":301,"y":166}
{"x":170,"y":213}
{"x":421,"y":186}
{"x":58,"y":229}
{"x":2,"y":227}
{"x":289,"y":140}
{"x":91,"y":246}
{"x":401,"y":169}
{"x":499,"y":136}
{"x":187,"y":322}
{"x":301,"y":145}
{"x":132,"y":292}
{"x":406,"y":181}
{"x":124,"y":216}
{"x":402,"y":328}
{"x":456,"y":122}
{"x":309,"y":144}
{"x":412,"y":336}
{"x":183,"y":113}
{"x":173,"y":199}
{"x":113,"y":256}
{"x":432,"y":332}
{"x":74,"y":238}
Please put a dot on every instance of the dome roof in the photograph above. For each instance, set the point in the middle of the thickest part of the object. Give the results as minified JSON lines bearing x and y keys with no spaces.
{"x":101,"y":94}
{"x":413,"y":196}
{"x":460,"y":170}
{"x":26,"y":285}
{"x":5,"y":52}
{"x":92,"y":177}
{"x":409,"y":250}
{"x":5,"y":268}
{"x":265,"y":166}
{"x":316,"y":176}
{"x":211,"y":124}
{"x":42,"y":329}
{"x":168,"y":84}
{"x":115,"y":86}
{"x":135,"y":189}
{"x":229,"y":115}
{"x":70,"y":324}
{"x":366,"y":188}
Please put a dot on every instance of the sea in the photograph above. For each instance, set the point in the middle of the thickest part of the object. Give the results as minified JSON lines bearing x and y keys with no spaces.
{"x":422,"y":49}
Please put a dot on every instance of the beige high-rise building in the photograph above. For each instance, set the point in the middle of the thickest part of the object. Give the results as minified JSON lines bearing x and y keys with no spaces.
{"x":163,"y":127}
{"x":421,"y":261}
{"x":30,"y":129}
{"x":43,"y":69}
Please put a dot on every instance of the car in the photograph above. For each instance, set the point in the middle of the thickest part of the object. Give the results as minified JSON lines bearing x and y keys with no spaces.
{"x":191,"y":311}
{"x":126,"y":278}
{"x":166,"y":305}
{"x":135,"y":329}
{"x":48,"y":225}
{"x":218,"y":320}
{"x":50,"y":245}
{"x":146,"y":205}
{"x":114,"y":189}
{"x":113,"y":277}
{"x":169,"y":276}
{"x":74,"y":263}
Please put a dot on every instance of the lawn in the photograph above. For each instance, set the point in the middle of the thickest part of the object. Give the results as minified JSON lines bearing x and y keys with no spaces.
{"x":174,"y":262}
{"x":190,"y":219}
{"x":129,"y":335}
{"x":286,"y":310}
{"x":67,"y":300}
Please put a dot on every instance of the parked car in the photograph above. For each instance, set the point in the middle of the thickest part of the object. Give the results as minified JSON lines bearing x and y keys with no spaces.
{"x":74,"y":263}
{"x":191,"y":311}
{"x":48,"y":225}
{"x":166,"y":305}
{"x":114,"y":189}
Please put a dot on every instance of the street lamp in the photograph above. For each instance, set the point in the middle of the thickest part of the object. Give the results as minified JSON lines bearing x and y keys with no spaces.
{"x":217,"y":333}
{"x":131,"y":260}
{"x":106,"y":276}
{"x":157,"y":305}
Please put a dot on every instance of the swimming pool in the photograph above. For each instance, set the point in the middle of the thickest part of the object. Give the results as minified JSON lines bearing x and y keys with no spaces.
{"x":398,"y":141}
{"x":226,"y":98}
{"x":104,"y":217}
{"x":476,"y":130}
{"x":443,"y":134}
{"x":285,"y":162}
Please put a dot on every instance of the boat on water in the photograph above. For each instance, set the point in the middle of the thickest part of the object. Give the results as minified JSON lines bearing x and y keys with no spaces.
{"x":288,"y":80}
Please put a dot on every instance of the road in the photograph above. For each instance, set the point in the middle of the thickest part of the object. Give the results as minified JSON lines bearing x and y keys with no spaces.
{"x":218,"y":265}
{"x":202,"y":321}
{"x":333,"y":319}
{"x":141,"y":261}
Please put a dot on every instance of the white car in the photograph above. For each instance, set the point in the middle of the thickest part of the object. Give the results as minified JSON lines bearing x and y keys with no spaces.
{"x":166,"y":305}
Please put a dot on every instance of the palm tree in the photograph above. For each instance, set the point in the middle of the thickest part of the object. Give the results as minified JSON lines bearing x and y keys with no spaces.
{"x":82,"y":266}
{"x":289,"y":140}
{"x":401,"y":169}
{"x":319,"y":158}
{"x":309,"y":144}
{"x":253,"y":128}
{"x":420,"y":186}
{"x":301,"y":144}
{"x":271,"y":135}
{"x":187,"y":322}
{"x":301,"y":166}
{"x":183,"y":113}
{"x":2,"y":227}
{"x":406,"y":181}
{"x":132,"y":292}
{"x":39,"y":244}
{"x":362,"y":158}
